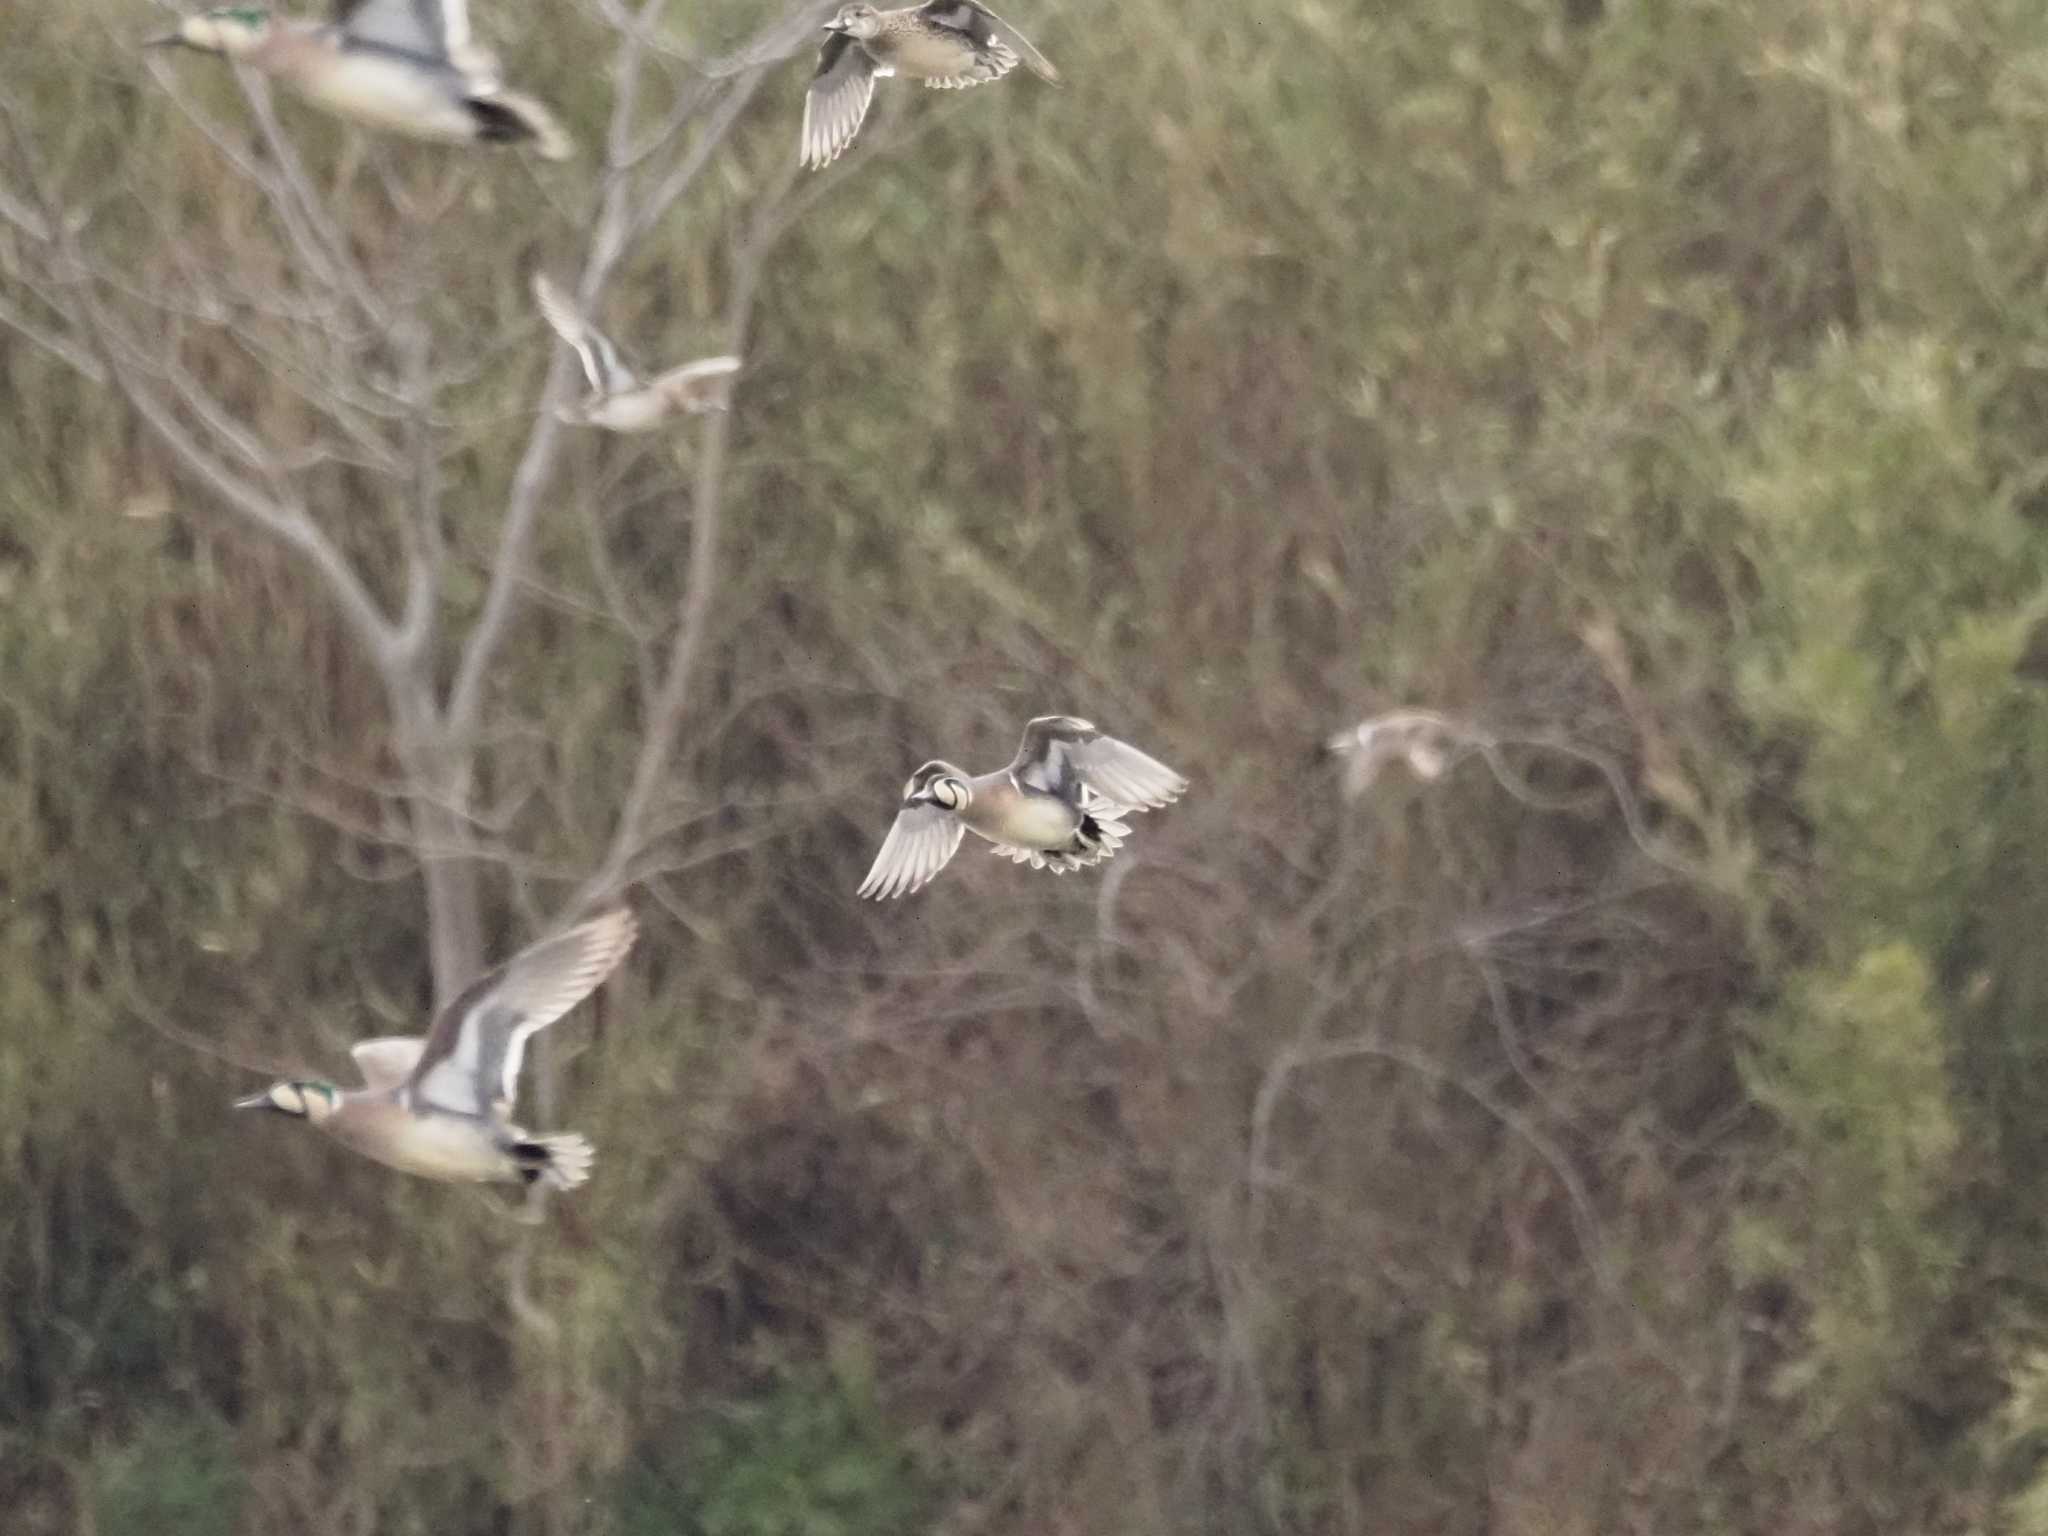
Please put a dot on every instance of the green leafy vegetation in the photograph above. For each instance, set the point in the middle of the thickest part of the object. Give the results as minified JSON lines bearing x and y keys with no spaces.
{"x":175,"y":1476}
{"x":807,"y":1457}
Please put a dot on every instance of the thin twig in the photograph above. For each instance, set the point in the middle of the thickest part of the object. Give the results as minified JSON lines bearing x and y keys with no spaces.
{"x":658,"y":743}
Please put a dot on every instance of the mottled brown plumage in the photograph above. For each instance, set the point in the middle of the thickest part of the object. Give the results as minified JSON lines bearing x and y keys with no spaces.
{"x":946,"y":44}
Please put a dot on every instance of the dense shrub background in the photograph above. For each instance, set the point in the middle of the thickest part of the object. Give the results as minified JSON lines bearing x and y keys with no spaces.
{"x":1665,"y":379}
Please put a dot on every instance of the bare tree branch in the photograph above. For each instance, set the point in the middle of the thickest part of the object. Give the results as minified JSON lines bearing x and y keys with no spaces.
{"x":658,"y":744}
{"x":536,"y":462}
{"x":1259,"y":1171}
{"x":285,"y":521}
{"x":779,"y":40}
{"x":426,"y":551}
{"x":296,"y":193}
{"x":622,"y":216}
{"x":686,"y":170}
{"x":77,"y":358}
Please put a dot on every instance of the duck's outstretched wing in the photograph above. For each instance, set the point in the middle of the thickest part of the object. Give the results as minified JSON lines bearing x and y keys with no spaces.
{"x":1118,"y":771}
{"x":1058,"y":749}
{"x":471,"y":1060}
{"x":990,"y":33}
{"x":705,"y":385}
{"x":602,"y":366}
{"x":388,"y":1060}
{"x":922,"y":841}
{"x":423,"y":28}
{"x":837,"y":100}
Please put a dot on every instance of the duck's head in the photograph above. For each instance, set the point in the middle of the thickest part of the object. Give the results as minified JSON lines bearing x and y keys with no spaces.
{"x":233,"y":30}
{"x":307,"y":1100}
{"x":857,"y":21}
{"x":938,"y":783}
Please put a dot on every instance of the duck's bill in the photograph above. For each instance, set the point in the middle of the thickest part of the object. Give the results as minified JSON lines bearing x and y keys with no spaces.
{"x":255,"y":1101}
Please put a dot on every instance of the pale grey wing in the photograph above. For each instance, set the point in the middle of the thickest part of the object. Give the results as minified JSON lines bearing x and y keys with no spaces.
{"x":837,"y":100}
{"x":455,"y":27}
{"x":921,"y":842}
{"x":484,"y":74}
{"x":601,"y":364}
{"x":388,"y":1060}
{"x":705,"y":385}
{"x":474,"y":1051}
{"x":992,"y":33}
{"x":1118,"y":771}
{"x":1043,"y":759}
{"x":410,"y":26}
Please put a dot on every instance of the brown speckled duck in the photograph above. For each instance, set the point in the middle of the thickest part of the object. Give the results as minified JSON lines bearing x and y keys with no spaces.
{"x":946,"y":44}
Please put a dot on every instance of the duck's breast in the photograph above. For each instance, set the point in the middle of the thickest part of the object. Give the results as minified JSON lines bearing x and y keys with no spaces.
{"x":384,"y":90}
{"x":1003,"y":813}
{"x":933,"y":54}
{"x":634,"y":410}
{"x":458,"y":1148}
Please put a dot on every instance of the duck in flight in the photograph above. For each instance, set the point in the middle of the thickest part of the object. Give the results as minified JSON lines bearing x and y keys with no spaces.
{"x":1060,"y":805}
{"x":619,"y":399}
{"x":1425,"y":741}
{"x":404,"y":66}
{"x":945,"y":43}
{"x":440,"y":1104}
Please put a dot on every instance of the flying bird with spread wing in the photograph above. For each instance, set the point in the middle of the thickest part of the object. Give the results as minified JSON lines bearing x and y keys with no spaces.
{"x":440,"y":1104}
{"x":408,"y":67}
{"x":946,"y":43}
{"x":619,"y":399}
{"x":1059,"y":805}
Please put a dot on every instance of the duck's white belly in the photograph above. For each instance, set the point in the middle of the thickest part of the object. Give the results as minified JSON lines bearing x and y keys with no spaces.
{"x":434,"y":1146}
{"x":636,"y":410}
{"x":380,"y":91}
{"x":929,"y":56}
{"x":1032,"y":821}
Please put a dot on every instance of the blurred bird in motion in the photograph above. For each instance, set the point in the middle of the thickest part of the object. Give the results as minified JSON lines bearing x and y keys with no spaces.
{"x":619,"y":399}
{"x":946,"y":44}
{"x":1428,"y":743}
{"x":405,"y":66}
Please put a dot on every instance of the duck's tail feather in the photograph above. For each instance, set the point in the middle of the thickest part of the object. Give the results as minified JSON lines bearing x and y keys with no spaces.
{"x":507,"y":117}
{"x":560,"y":1162}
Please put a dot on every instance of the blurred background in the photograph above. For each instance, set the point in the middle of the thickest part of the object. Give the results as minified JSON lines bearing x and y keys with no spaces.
{"x":1660,"y":386}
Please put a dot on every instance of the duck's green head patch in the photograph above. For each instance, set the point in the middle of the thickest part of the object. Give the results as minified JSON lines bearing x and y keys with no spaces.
{"x":234,"y":30}
{"x":303,"y":1100}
